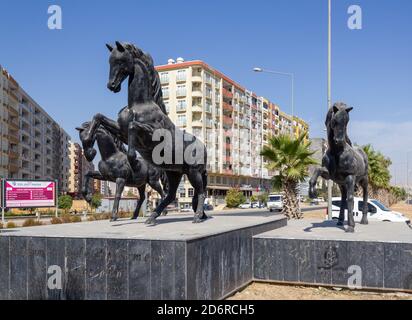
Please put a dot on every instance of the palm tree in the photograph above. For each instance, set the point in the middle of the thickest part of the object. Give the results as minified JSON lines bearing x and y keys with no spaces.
{"x":379,"y":174}
{"x":291,"y":158}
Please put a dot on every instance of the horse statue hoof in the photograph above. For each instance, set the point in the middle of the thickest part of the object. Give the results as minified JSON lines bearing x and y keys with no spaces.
{"x":151,"y":221}
{"x":340,"y":224}
{"x":197,"y":220}
{"x":350,"y":229}
{"x":133,"y":218}
{"x":113,"y":219}
{"x":364,"y":221}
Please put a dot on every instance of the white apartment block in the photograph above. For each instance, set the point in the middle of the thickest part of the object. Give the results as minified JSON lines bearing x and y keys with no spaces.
{"x":232,"y":121}
{"x":33,"y":145}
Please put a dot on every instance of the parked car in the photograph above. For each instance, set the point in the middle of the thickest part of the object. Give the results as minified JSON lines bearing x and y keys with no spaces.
{"x":376,"y":211}
{"x":247,"y":205}
{"x":275,"y":202}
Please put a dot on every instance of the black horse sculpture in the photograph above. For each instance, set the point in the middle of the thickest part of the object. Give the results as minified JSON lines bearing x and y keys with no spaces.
{"x":343,"y":163}
{"x":114,"y":166}
{"x":143,"y":124}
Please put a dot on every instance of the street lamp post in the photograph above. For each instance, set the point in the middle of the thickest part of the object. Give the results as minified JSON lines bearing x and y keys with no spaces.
{"x":330,"y":183}
{"x":292,"y":77}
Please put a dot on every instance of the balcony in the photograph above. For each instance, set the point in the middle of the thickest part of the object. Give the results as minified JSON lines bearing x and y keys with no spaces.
{"x":14,"y":125}
{"x":13,"y":154}
{"x":227,"y":120}
{"x":13,"y":96}
{"x":13,"y":112}
{"x":227,"y":107}
{"x":197,"y":79}
{"x":197,"y":109}
{"x":13,"y":168}
{"x":197,"y":93}
{"x":227,"y":93}
{"x":13,"y":138}
{"x":197,"y":124}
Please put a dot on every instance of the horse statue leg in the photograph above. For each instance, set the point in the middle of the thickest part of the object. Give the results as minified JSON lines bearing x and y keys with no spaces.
{"x":350,"y":189}
{"x":196,"y":180}
{"x":344,"y":194}
{"x":155,"y":184}
{"x":120,"y":183}
{"x":87,"y":195}
{"x":364,"y":184}
{"x":174,"y":181}
{"x":142,"y":198}
{"x":319,"y":172}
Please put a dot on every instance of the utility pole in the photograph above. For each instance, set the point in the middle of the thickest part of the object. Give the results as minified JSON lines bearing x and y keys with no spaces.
{"x":330,"y":182}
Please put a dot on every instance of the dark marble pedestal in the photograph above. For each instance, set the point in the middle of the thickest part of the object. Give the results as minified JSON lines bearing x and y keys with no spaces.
{"x":175,"y":259}
{"x":309,"y":252}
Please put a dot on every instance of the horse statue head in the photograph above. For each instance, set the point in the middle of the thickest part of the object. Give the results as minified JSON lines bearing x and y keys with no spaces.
{"x":337,"y":121}
{"x":89,"y":151}
{"x":126,"y":60}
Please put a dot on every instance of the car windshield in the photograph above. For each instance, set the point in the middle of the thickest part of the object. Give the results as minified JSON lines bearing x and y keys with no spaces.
{"x":380,"y":205}
{"x":274,"y":198}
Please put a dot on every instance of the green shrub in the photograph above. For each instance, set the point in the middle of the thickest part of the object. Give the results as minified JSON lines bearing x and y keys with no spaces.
{"x":11,"y":225}
{"x":66,"y":218}
{"x":75,"y":219}
{"x":32,"y":223}
{"x":234,"y":198}
{"x":65,"y":202}
{"x":91,"y":218}
{"x":56,"y":220}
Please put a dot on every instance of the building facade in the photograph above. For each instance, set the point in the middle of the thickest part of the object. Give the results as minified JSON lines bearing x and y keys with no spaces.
{"x":33,"y":145}
{"x":79,"y":166}
{"x":234,"y":123}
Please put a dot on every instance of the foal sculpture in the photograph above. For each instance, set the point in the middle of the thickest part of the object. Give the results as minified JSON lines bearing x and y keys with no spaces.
{"x":114,"y":166}
{"x":343,"y":163}
{"x":144,"y":122}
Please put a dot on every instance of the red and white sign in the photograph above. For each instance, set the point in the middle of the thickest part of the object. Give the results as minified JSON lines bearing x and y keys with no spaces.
{"x":29,"y":194}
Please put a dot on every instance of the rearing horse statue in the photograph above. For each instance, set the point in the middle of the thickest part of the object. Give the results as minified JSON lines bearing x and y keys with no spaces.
{"x":144,"y":122}
{"x":346,"y":165}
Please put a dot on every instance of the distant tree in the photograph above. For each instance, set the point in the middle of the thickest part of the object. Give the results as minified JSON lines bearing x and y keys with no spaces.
{"x":263,"y":198}
{"x":96,"y":201}
{"x":235,"y":198}
{"x":65,"y":202}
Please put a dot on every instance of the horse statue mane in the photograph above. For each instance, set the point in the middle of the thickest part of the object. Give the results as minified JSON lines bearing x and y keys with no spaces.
{"x":119,"y":144}
{"x":147,"y":60}
{"x":329,"y":119}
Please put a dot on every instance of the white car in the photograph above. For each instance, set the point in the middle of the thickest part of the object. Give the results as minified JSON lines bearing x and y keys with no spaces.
{"x":246,"y":205}
{"x":376,"y":211}
{"x":275,"y":202}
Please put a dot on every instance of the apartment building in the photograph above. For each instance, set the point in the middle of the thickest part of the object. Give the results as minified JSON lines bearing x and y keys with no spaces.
{"x":79,"y":166}
{"x":234,"y":123}
{"x":33,"y":145}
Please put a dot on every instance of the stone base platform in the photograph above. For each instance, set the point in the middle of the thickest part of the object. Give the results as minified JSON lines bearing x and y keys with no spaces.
{"x":320,"y":253}
{"x":175,"y":259}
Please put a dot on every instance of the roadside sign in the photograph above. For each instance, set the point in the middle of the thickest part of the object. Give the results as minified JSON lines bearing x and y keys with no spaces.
{"x":29,"y":194}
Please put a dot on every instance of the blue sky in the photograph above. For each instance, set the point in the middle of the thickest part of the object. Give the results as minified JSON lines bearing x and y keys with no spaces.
{"x":66,"y":70}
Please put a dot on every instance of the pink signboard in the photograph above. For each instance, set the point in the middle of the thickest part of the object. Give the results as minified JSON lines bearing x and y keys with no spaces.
{"x":29,"y":194}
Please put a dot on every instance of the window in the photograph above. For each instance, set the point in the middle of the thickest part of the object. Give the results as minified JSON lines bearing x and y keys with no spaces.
{"x":181,"y":120}
{"x":371,"y":208}
{"x":191,"y":192}
{"x":181,"y":91}
{"x":181,"y":75}
{"x":166,"y":103}
{"x":181,"y":105}
{"x":164,"y":77}
{"x":165,"y":91}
